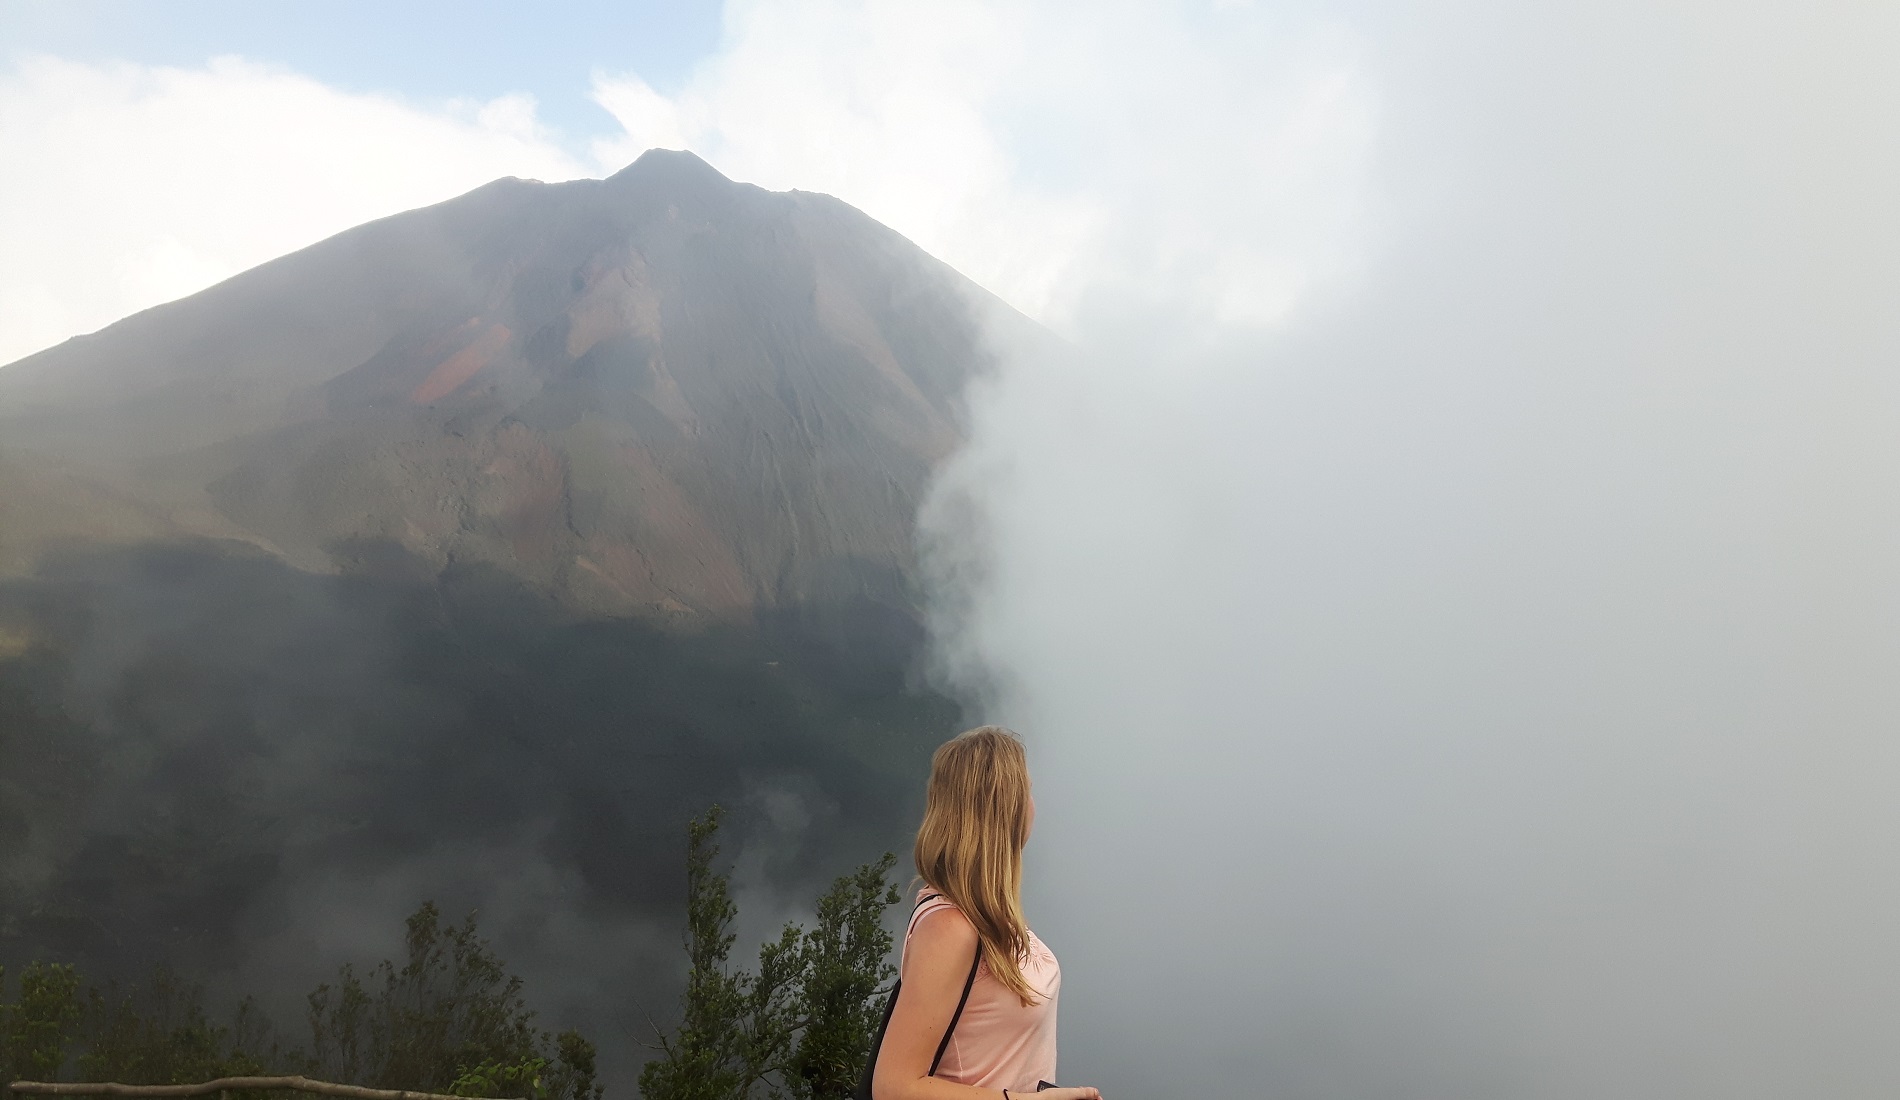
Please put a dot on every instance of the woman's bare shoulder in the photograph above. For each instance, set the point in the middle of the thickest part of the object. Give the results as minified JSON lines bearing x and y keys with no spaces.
{"x":944,"y":928}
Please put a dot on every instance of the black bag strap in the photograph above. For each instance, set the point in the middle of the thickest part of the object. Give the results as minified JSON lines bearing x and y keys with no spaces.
{"x":863,"y":1091}
{"x":958,"y":1014}
{"x":944,"y":1043}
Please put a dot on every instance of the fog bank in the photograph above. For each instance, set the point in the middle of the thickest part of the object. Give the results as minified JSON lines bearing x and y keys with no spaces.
{"x":1481,"y":684}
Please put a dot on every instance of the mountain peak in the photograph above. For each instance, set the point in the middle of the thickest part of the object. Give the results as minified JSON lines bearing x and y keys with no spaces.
{"x":670,"y":165}
{"x":662,"y":394}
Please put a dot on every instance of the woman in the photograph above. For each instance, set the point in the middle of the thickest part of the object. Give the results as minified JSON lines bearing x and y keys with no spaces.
{"x":977,"y":815}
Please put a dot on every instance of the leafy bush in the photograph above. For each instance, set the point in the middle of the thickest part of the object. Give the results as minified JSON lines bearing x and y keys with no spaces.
{"x":452,"y":1019}
{"x":37,"y":1030}
{"x":159,"y":1035}
{"x":800,"y":1027}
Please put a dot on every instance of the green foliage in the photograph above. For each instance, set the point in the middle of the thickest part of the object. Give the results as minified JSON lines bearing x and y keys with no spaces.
{"x":571,"y":1074}
{"x":160,"y":1035}
{"x":706,"y":1059}
{"x":844,"y":966}
{"x":451,"y":1019}
{"x":37,"y":1030}
{"x":800,"y":1027}
{"x":450,"y":1006}
{"x":523,"y":1078}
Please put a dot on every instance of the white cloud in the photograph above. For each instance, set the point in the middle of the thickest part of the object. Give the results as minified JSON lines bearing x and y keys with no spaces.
{"x":1481,"y":686}
{"x":1068,"y":161}
{"x":1068,"y":164}
{"x":123,"y":186}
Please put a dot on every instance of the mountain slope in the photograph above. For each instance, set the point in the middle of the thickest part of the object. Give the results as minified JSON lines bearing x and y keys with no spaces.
{"x":663,"y":393}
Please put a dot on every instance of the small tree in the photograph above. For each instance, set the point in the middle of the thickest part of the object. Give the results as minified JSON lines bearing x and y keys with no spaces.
{"x":844,"y":965}
{"x":451,"y":1019}
{"x":37,"y":1030}
{"x":160,"y":1035}
{"x":706,"y":1059}
{"x":800,"y":1027}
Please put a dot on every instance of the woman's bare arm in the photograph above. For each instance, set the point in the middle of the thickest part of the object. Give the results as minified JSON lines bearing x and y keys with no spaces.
{"x":936,"y":966}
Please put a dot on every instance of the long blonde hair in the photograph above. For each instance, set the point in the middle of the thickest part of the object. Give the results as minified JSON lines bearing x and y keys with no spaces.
{"x":970,"y":845}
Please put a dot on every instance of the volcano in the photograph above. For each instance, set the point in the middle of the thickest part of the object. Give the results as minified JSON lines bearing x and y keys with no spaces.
{"x":662,"y":394}
{"x":463,"y":557}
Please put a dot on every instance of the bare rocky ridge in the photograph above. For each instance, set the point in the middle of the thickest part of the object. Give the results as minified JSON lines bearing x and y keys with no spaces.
{"x":661,"y":394}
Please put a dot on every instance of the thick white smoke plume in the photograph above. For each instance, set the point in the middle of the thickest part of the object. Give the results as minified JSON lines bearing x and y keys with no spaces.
{"x":1485,"y":683}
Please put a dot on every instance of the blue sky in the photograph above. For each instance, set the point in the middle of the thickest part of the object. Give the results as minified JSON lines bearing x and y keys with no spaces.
{"x":425,"y":50}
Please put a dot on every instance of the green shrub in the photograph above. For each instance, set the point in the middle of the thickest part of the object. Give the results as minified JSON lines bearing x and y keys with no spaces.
{"x":37,"y":1030}
{"x":452,"y":1019}
{"x":800,"y":1027}
{"x":159,"y":1034}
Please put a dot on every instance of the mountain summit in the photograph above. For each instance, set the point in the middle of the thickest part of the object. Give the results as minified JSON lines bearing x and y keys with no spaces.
{"x":662,"y":393}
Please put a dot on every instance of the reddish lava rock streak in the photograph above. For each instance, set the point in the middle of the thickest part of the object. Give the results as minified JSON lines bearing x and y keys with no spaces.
{"x":449,"y":375}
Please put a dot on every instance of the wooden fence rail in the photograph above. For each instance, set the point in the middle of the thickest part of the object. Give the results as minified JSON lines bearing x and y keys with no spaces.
{"x":222,"y":1084}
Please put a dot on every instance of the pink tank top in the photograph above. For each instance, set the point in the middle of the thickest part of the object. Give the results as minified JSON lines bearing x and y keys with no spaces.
{"x":998,"y":1043}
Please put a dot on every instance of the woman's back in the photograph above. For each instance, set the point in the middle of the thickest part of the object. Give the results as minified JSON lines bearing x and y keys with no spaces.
{"x":999,"y":1042}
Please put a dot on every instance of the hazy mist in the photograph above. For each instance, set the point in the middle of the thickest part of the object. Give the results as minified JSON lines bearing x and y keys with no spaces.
{"x":1482,"y":683}
{"x":212,"y":760}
